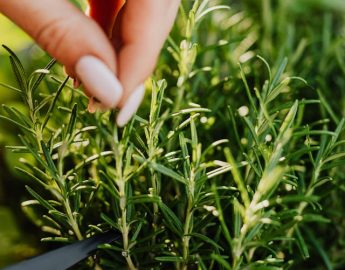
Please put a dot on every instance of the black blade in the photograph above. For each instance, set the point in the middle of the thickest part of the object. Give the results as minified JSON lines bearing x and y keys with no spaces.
{"x":65,"y":257}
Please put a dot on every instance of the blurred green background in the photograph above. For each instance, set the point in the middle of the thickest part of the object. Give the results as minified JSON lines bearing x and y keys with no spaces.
{"x":18,"y":236}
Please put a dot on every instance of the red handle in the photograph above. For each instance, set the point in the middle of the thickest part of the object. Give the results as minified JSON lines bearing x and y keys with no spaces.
{"x":104,"y":12}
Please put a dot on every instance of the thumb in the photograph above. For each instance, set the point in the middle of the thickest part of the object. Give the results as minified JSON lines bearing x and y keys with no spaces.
{"x":74,"y":40}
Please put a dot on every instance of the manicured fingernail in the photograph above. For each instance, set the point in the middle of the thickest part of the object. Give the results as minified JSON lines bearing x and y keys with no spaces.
{"x":99,"y":81}
{"x":131,"y":106}
{"x":76,"y":83}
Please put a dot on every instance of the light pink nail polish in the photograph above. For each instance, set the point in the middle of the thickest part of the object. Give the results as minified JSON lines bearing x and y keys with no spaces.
{"x":99,"y":80}
{"x":131,"y":106}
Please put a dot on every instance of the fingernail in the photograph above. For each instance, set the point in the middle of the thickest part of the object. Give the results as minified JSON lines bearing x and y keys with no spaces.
{"x":99,"y":81}
{"x":94,"y":106}
{"x":131,"y":106}
{"x":76,"y":83}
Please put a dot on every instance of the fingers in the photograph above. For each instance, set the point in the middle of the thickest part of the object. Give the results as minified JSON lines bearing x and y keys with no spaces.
{"x":80,"y":44}
{"x":73,"y":39}
{"x":144,"y":28}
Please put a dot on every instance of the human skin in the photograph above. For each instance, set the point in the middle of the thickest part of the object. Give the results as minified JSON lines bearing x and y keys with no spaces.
{"x":69,"y":35}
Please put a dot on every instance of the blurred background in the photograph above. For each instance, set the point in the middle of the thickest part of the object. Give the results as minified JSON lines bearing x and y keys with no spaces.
{"x":19,"y":237}
{"x":311,"y":33}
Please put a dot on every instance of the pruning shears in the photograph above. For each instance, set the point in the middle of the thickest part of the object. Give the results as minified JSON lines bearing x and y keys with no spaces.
{"x":65,"y":257}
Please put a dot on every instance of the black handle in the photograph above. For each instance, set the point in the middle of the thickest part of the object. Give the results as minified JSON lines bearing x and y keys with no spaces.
{"x":65,"y":257}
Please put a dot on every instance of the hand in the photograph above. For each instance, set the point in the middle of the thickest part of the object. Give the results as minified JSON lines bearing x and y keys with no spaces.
{"x":87,"y":52}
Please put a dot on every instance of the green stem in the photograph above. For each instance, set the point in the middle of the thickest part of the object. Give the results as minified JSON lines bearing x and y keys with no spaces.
{"x":186,"y":237}
{"x":178,"y":99}
{"x":125,"y":232}
{"x":72,"y":221}
{"x":155,"y":192}
{"x":188,"y":226}
{"x":121,"y":183}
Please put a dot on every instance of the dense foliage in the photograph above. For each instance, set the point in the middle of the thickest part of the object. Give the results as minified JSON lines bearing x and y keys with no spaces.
{"x":234,"y":161}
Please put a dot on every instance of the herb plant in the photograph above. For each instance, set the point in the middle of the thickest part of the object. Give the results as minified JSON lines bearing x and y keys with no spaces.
{"x":224,"y":166}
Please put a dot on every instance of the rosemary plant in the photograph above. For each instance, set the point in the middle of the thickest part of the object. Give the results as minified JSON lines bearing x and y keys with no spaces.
{"x":224,"y":167}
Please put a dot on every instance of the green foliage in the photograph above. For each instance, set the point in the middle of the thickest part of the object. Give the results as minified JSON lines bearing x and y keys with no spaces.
{"x":225,"y":166}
